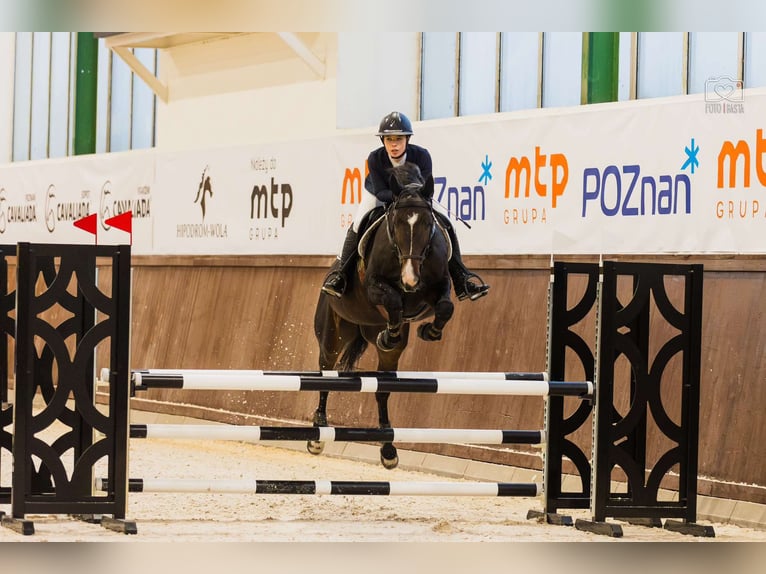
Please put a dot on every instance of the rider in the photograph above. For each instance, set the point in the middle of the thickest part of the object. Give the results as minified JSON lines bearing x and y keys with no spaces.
{"x":394,"y":132}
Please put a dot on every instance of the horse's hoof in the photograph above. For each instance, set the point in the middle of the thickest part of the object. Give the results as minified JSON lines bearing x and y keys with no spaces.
{"x":384,"y":344}
{"x":388,"y":456}
{"x":315,"y":446}
{"x":428,"y":333}
{"x":389,"y":463}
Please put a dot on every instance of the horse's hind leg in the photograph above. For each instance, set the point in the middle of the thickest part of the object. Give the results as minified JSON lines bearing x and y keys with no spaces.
{"x":328,"y":356}
{"x":320,"y":420}
{"x":328,"y":334}
{"x":339,"y":342}
{"x":389,"y":361}
{"x":389,"y":457}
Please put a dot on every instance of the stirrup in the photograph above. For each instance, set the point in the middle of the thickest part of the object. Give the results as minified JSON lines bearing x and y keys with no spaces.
{"x":470,"y":290}
{"x":335,"y":284}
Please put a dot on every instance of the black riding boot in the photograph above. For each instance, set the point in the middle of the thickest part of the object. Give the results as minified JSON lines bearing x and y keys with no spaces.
{"x":467,"y":285}
{"x":336,"y":280}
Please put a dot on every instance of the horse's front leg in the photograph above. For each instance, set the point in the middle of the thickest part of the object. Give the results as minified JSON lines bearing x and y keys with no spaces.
{"x":443,"y":310}
{"x":380,"y":293}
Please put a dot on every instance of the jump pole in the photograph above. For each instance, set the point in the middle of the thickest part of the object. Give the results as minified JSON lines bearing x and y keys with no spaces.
{"x":276,"y":381}
{"x":508,"y":376}
{"x":327,"y":487}
{"x":334,"y":434}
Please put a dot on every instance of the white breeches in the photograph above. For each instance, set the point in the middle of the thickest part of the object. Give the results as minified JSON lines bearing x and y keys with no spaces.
{"x":368,"y":203}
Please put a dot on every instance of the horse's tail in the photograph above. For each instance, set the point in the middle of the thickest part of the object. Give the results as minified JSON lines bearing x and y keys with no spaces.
{"x":352,"y":353}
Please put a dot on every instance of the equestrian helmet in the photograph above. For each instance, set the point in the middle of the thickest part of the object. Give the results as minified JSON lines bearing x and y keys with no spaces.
{"x":395,"y":123}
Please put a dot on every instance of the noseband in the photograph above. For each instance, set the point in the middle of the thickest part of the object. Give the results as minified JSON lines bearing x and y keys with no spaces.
{"x":402,"y":203}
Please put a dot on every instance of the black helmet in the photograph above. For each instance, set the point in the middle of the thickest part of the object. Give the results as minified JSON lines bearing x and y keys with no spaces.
{"x":395,"y":123}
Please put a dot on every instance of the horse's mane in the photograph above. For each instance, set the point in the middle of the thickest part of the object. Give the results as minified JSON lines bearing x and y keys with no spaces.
{"x":408,"y":177}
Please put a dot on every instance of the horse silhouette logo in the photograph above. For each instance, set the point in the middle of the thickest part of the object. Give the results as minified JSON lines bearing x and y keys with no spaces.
{"x":204,"y":188}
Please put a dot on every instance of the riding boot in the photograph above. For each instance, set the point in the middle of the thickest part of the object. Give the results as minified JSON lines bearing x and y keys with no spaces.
{"x":337,"y":279}
{"x":468,"y":285}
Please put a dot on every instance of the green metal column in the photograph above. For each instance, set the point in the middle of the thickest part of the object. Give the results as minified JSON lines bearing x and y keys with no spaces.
{"x":600,"y":67}
{"x":85,"y":94}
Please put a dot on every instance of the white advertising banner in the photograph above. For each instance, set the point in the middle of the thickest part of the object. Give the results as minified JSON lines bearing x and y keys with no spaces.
{"x":654,"y":176}
{"x":41,"y":200}
{"x":670,"y":175}
{"x":268,"y":199}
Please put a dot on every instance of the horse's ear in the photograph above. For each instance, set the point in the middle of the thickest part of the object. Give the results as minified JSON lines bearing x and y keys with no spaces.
{"x":428,"y":187}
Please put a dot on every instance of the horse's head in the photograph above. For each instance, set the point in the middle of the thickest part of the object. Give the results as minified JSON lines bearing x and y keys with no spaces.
{"x":408,"y":177}
{"x":410,"y":223}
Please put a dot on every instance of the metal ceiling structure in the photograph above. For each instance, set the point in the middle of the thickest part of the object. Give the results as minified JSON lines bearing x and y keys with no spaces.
{"x":122,"y":42}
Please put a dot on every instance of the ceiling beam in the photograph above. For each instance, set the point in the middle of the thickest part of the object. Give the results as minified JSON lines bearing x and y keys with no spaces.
{"x":160,"y":89}
{"x":119,"y":45}
{"x":304,"y":52}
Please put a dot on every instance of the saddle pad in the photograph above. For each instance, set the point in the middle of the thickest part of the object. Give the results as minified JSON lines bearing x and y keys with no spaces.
{"x":367,"y":235}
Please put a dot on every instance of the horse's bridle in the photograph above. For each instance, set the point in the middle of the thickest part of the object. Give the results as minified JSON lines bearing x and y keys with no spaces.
{"x":400,"y":203}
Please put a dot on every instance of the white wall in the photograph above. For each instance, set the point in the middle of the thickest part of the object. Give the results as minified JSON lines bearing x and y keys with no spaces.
{"x":254,"y":88}
{"x":377,"y":73}
{"x":244,"y":90}
{"x":7,"y":52}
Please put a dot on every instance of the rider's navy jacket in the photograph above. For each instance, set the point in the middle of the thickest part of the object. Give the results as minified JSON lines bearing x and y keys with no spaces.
{"x":378,"y":164}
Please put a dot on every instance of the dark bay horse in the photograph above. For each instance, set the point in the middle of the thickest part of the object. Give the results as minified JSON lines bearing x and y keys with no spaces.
{"x":402,"y":277}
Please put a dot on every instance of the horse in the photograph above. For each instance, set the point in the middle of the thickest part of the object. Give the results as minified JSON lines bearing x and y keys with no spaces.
{"x":401,"y":277}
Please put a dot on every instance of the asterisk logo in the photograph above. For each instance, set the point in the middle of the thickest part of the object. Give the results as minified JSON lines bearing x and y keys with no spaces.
{"x":691,"y":157}
{"x":486,"y":165}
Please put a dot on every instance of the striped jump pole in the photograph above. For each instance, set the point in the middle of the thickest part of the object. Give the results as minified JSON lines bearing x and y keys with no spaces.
{"x":452,"y":383}
{"x":321,"y":487}
{"x":510,"y":376}
{"x":335,"y":434}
